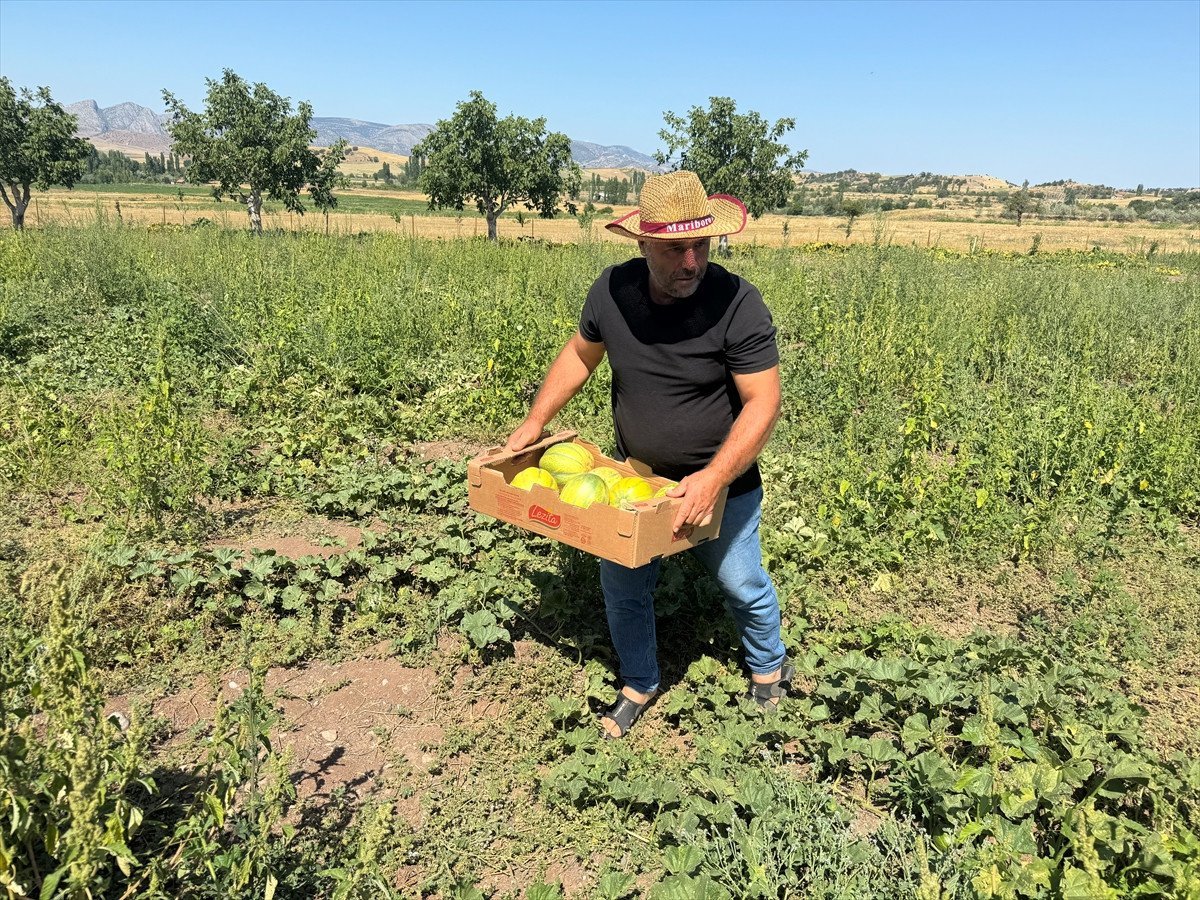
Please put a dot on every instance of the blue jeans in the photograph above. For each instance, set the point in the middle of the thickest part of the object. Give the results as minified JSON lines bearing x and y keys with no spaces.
{"x":735,"y":560}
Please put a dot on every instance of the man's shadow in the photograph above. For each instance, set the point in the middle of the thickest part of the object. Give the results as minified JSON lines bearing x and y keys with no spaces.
{"x":691,"y":619}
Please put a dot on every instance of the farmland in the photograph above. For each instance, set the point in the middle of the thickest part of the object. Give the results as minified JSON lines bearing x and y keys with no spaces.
{"x":960,"y":226}
{"x":234,"y":517}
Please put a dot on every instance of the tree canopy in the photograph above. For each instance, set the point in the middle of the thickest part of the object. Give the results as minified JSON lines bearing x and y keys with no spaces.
{"x":38,"y":147}
{"x":474,"y":156}
{"x":733,"y":153}
{"x":1021,"y":203}
{"x":252,"y":145}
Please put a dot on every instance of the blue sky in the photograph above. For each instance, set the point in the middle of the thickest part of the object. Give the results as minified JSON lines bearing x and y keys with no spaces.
{"x":1105,"y":92}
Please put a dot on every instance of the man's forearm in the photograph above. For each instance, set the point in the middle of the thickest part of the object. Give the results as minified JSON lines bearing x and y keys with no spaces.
{"x":750,"y":432}
{"x":564,"y":378}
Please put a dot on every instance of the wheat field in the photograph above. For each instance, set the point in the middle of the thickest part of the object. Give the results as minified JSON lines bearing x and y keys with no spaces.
{"x":924,"y":228}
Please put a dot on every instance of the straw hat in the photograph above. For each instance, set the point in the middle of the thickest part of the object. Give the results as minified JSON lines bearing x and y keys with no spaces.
{"x":674,"y":206}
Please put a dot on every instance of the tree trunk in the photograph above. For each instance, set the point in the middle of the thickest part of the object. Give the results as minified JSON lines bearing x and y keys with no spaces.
{"x":17,"y":204}
{"x":254,"y":209}
{"x":723,"y":245}
{"x":491,"y":220}
{"x":1018,"y":218}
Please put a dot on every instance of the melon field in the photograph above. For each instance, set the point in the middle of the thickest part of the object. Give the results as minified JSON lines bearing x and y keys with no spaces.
{"x":254,"y":644}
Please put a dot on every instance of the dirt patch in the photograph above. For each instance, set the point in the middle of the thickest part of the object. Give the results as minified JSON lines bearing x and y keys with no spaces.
{"x":334,"y":538}
{"x":461,"y":450}
{"x":345,"y":724}
{"x":951,"y":605}
{"x":259,"y":526}
{"x":568,"y":872}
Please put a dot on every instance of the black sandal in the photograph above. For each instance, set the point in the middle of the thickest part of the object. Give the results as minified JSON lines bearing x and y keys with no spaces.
{"x":765,"y":693}
{"x":624,"y":713}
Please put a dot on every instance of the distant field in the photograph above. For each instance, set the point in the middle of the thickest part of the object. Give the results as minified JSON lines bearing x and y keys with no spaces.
{"x":368,"y":161}
{"x":607,"y":173}
{"x":373,"y":210}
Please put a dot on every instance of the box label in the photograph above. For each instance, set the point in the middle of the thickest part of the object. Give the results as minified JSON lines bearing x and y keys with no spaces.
{"x":538,"y":514}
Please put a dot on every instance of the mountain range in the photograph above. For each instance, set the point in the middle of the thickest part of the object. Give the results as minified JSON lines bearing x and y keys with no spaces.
{"x":130,"y":127}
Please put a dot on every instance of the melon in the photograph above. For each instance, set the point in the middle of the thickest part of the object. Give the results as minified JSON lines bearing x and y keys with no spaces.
{"x":630,"y":490}
{"x":610,"y":475}
{"x":527,"y":478}
{"x":662,"y":491}
{"x":566,"y":459}
{"x":584,"y":490}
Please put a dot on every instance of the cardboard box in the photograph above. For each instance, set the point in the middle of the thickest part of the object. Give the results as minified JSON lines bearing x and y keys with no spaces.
{"x":630,"y":537}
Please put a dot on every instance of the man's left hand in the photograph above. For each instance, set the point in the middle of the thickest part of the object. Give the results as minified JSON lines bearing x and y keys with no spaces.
{"x":699,"y":492}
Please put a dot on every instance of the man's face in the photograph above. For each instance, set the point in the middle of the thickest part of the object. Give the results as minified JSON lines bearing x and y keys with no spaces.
{"x":676,"y":267}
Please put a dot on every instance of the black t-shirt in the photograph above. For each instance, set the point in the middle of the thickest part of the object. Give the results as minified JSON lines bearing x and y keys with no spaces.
{"x":673,"y":394}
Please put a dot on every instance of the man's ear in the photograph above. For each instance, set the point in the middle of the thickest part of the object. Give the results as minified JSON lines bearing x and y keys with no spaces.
{"x":642,"y":247}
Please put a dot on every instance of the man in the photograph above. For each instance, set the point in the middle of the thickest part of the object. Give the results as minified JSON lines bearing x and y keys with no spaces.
{"x":695,"y":394}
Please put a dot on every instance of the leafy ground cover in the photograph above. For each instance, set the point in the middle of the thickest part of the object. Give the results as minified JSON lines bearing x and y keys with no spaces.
{"x":230,"y":464}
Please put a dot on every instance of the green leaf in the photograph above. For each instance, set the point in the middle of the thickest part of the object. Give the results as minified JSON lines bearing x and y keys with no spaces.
{"x":934,"y":771}
{"x":916,"y":730}
{"x":892,"y":670}
{"x":143,"y":570}
{"x":678,"y":701}
{"x":682,"y":859}
{"x":881,"y":750}
{"x":481,"y":628}
{"x":976,"y":782}
{"x":464,"y":890}
{"x":1124,"y":775}
{"x":870,"y":710}
{"x":973,"y":732}
{"x":615,"y":886}
{"x":685,"y":887}
{"x":938,"y":691}
{"x":50,"y":883}
{"x":1077,"y":884}
{"x":755,"y":795}
{"x":989,"y":883}
{"x":216,"y":808}
{"x":291,"y":597}
{"x":542,"y":891}
{"x":1034,"y":874}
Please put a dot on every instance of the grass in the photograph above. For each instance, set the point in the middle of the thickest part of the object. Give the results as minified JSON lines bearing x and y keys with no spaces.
{"x":981,"y":518}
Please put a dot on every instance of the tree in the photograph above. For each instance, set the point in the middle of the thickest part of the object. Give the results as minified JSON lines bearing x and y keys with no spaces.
{"x":853,"y":209}
{"x":473,"y":156}
{"x":1021,"y":203}
{"x":413,"y":167}
{"x":38,"y":147}
{"x":732,"y":153}
{"x":251,"y":144}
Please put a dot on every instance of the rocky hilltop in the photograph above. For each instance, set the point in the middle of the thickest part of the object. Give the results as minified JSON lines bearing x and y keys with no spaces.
{"x":126,"y":126}
{"x":130,"y":127}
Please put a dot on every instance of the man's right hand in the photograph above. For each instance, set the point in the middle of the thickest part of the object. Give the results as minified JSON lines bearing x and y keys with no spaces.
{"x":527,"y":433}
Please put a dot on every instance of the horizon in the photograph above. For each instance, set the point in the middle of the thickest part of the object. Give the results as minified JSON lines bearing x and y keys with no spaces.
{"x":942,"y":88}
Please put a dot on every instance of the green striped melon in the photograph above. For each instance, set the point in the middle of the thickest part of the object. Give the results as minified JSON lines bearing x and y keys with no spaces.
{"x":564,"y":460}
{"x":584,"y":490}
